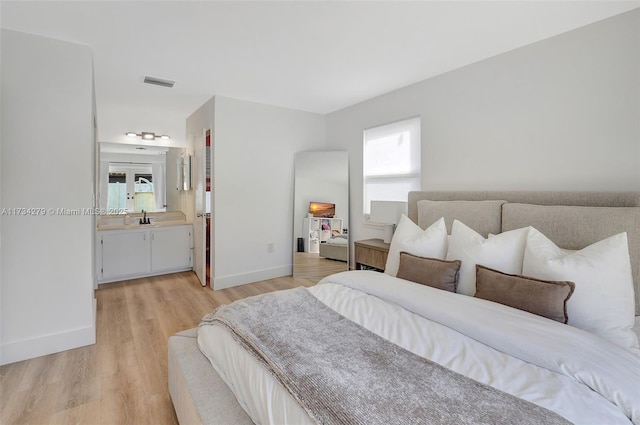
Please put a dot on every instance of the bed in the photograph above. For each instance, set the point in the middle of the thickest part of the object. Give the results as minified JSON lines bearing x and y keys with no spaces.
{"x":335,"y":248}
{"x":499,"y":351}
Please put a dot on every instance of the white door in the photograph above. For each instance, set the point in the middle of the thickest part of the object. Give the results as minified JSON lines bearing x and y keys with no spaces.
{"x":199,"y":224}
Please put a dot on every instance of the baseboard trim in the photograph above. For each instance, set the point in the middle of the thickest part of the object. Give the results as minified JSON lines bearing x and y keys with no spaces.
{"x":47,"y":344}
{"x":230,"y":281}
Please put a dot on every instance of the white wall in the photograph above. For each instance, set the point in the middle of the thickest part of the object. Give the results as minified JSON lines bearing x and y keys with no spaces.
{"x":560,"y":114}
{"x":133,"y":158}
{"x":47,"y":150}
{"x":253,"y":154}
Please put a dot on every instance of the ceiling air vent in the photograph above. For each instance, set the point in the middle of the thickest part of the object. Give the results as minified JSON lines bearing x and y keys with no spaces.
{"x":159,"y":81}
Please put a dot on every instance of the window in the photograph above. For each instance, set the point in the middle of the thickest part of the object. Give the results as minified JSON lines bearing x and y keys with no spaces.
{"x":117,"y":197}
{"x":391,"y":162}
{"x":143,"y":193}
{"x":130,"y":187}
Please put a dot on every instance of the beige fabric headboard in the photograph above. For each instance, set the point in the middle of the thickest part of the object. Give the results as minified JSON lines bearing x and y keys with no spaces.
{"x":572,"y":220}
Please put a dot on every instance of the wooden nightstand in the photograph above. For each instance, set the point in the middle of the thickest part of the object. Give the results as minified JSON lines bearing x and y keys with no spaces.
{"x":371,"y":254}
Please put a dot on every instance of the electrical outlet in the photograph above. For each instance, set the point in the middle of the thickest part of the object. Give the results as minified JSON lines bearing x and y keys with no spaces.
{"x":270,"y":247}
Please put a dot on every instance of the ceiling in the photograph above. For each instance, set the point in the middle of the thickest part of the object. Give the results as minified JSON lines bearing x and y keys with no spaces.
{"x":313,"y":56}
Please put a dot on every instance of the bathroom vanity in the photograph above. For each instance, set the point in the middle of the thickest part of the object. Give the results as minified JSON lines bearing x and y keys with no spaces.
{"x":126,"y":249}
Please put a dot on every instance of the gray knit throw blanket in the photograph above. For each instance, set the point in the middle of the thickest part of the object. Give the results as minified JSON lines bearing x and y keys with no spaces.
{"x":342,"y":373}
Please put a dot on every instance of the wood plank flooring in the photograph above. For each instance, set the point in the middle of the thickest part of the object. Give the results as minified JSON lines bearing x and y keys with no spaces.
{"x":122,"y":379}
{"x":314,"y":267}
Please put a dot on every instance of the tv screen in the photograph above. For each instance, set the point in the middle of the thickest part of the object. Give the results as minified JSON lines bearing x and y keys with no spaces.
{"x":322,"y":209}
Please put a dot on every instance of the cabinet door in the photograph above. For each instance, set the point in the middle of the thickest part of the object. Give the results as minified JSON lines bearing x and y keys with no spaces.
{"x":124,"y":253}
{"x":171,"y":248}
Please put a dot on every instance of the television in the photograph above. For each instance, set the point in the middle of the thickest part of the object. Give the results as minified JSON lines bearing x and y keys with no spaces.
{"x":322,"y":209}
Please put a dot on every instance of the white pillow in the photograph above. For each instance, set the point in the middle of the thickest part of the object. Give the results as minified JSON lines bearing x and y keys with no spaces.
{"x":502,"y":252}
{"x":603,"y":301}
{"x":409,"y":237}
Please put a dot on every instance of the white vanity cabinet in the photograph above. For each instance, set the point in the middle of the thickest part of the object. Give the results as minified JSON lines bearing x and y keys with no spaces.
{"x":143,"y":251}
{"x":124,"y":253}
{"x":170,"y":248}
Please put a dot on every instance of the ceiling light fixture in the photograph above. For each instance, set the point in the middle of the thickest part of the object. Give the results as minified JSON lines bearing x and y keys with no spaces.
{"x":146,"y":135}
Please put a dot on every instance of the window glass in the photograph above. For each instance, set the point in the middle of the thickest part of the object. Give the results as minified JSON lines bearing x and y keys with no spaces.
{"x":130,"y":188}
{"x":143,"y":193}
{"x":117,"y":195}
{"x":391,"y":162}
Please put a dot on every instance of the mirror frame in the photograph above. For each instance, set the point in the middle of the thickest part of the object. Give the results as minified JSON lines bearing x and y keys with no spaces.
{"x":320,"y":176}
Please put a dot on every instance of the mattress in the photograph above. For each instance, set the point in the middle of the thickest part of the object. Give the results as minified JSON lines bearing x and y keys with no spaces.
{"x":487,"y":348}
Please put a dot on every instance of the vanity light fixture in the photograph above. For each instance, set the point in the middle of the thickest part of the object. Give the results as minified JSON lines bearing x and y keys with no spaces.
{"x":146,"y":135}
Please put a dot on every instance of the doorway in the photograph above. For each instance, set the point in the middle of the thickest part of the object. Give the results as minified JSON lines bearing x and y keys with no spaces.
{"x":203,"y":220}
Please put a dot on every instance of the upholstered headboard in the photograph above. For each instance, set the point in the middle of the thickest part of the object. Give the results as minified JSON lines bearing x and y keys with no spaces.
{"x":573,"y":220}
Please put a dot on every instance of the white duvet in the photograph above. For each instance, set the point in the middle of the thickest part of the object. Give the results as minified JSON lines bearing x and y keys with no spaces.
{"x":576,"y":374}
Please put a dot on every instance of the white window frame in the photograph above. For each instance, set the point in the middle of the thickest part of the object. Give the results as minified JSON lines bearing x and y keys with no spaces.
{"x":411,"y":173}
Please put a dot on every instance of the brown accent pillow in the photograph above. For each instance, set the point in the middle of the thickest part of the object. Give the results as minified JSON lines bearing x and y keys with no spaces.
{"x":542,"y":297}
{"x":439,"y":274}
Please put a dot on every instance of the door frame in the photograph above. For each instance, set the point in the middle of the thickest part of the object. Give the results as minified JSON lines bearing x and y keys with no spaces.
{"x":199,"y":221}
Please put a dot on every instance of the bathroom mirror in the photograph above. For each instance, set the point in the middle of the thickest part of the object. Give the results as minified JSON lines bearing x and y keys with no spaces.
{"x":136,"y":177}
{"x":321,"y":243}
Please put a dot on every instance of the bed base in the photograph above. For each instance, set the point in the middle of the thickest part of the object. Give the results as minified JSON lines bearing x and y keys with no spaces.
{"x":334,"y":251}
{"x":199,"y":395}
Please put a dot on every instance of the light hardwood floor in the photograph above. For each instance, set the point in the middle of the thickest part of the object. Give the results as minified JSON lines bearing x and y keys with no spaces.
{"x":314,"y":267}
{"x":122,"y":379}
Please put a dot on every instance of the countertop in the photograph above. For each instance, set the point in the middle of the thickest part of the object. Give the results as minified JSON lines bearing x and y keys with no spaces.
{"x":136,"y":226}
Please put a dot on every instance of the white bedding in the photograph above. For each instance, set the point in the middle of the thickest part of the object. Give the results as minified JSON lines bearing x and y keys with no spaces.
{"x":545,"y":362}
{"x":338,"y":240}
